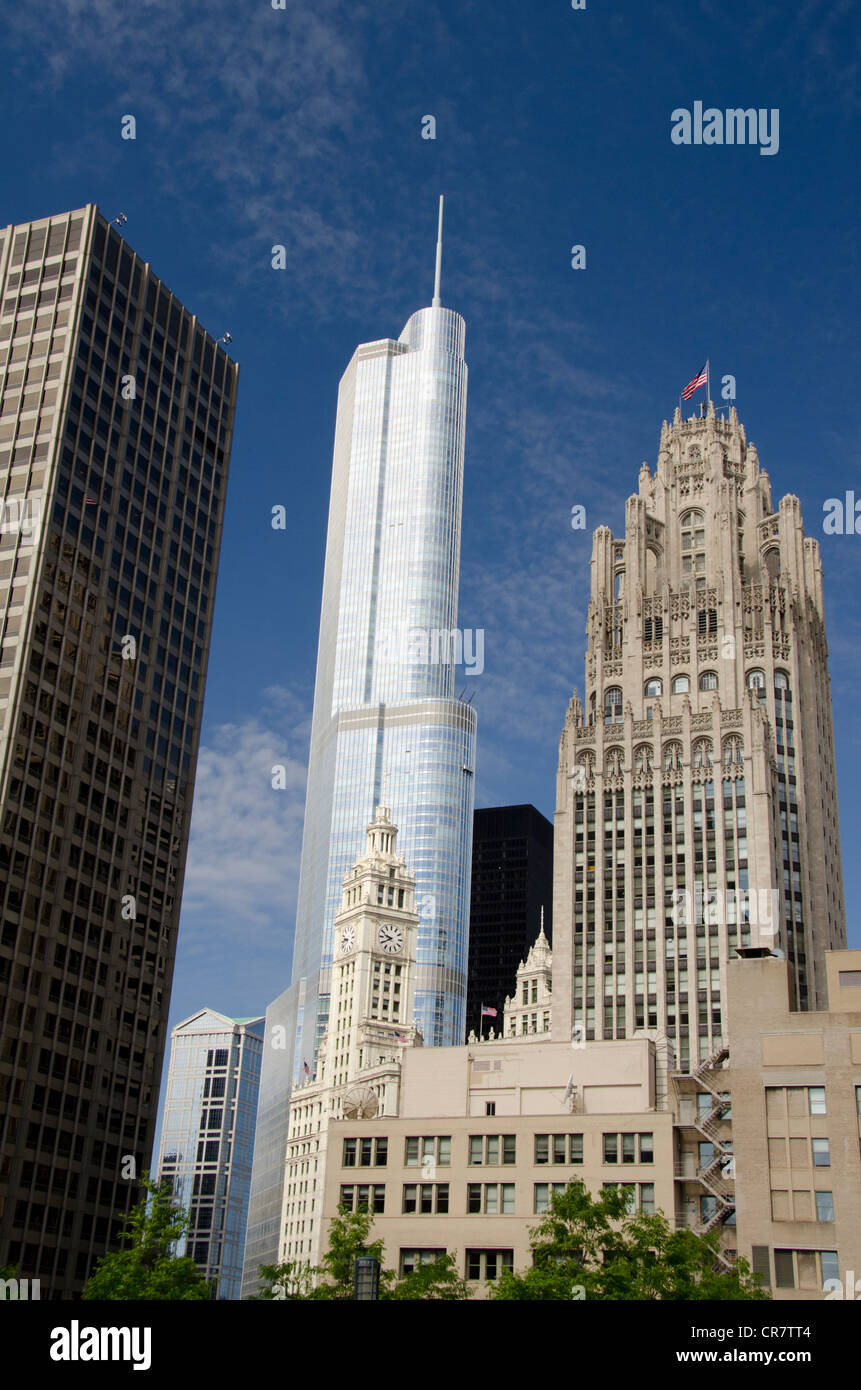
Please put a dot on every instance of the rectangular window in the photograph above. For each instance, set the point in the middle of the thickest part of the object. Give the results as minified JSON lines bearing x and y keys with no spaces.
{"x":488,"y":1264}
{"x":509,"y":1148}
{"x":381,"y":1152}
{"x":411,"y":1260}
{"x":366,"y":1153}
{"x":647,"y":1148}
{"x":490,"y":1107}
{"x":349,"y":1160}
{"x":784,"y":1269}
{"x":611,"y":1148}
{"x":425,"y":1198}
{"x":363,"y":1198}
{"x":575,"y":1148}
{"x":816,"y":1099}
{"x":543,"y":1192}
{"x":507,"y":1198}
{"x":821,"y":1153}
{"x":629,"y":1153}
{"x":473,"y":1198}
{"x":476,"y":1149}
{"x":824,"y":1206}
{"x":542,"y":1147}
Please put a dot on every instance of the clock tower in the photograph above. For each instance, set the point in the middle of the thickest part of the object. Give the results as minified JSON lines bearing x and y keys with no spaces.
{"x":373,"y":963}
{"x":370,"y":1026}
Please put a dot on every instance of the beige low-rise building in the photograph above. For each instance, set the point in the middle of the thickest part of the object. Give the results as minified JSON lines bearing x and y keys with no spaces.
{"x":796,"y":1101}
{"x":486,"y":1132}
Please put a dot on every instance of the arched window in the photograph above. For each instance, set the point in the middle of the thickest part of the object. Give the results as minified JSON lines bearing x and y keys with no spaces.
{"x":653,"y":564}
{"x":587,"y":762}
{"x":709,"y":680}
{"x":619,"y":584}
{"x":643,"y":758}
{"x":756,"y":682}
{"x":672,"y":757}
{"x":781,"y":680}
{"x":613,"y":762}
{"x":592,"y":699}
{"x":702,"y":753}
{"x":771,"y":560}
{"x":654,"y":687}
{"x":693,"y":543}
{"x":733,"y":750}
{"x":613,"y":703}
{"x":681,"y":685}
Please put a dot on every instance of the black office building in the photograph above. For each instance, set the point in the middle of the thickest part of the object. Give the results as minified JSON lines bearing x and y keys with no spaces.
{"x":512,"y":879}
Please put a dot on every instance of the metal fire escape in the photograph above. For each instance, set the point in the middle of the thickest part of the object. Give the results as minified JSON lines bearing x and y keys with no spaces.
{"x":709,"y":1125}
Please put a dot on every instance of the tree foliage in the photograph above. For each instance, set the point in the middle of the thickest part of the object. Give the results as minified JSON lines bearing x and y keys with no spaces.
{"x":349,"y":1237}
{"x":594,"y":1248}
{"x":147,"y":1268}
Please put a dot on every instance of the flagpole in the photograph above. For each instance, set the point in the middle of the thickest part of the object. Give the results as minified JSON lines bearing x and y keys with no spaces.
{"x":481,"y":1025}
{"x":708,"y":382}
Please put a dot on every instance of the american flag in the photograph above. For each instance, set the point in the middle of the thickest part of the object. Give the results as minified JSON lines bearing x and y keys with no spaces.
{"x":307,"y":1069}
{"x":487,"y":1011}
{"x":699,"y":380}
{"x":401,"y":1037}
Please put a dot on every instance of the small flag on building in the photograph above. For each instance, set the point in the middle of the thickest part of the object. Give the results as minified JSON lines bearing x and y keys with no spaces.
{"x":401,"y":1037}
{"x":701,"y":379}
{"x":487,"y":1011}
{"x":91,"y":501}
{"x":307,"y":1069}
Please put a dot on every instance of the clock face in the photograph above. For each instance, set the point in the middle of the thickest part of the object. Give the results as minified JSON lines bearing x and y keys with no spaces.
{"x":391,"y":938}
{"x":348,"y":940}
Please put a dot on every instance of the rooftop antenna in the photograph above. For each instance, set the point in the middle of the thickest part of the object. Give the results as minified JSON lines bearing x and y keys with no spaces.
{"x":437,"y":304}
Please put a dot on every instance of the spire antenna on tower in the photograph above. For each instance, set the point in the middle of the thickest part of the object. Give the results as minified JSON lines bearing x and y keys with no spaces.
{"x":436,"y":304}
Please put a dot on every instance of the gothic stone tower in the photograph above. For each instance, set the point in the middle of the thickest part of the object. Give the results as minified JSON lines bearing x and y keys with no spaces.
{"x":369,"y":1027}
{"x":696,"y":800}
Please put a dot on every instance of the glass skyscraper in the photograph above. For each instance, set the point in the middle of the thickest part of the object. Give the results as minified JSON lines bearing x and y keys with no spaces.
{"x":207,"y":1138}
{"x":116,"y":417}
{"x":386,"y":724}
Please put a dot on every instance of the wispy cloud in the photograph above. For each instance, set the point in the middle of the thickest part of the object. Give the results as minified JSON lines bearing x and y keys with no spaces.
{"x":239,"y":898}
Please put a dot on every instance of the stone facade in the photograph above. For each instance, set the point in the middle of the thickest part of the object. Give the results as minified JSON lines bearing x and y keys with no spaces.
{"x":696,"y":806}
{"x":796,"y":1112}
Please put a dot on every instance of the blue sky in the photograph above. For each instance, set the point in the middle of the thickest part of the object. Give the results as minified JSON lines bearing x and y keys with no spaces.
{"x":302,"y":127}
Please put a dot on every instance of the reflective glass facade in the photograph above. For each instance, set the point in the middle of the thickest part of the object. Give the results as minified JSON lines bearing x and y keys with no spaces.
{"x":116,"y":416}
{"x":386,"y":724}
{"x":208,"y":1136}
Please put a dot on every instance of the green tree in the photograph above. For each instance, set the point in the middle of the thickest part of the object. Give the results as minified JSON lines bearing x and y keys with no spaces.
{"x":594,"y":1248}
{"x":148,"y":1269}
{"x":349,"y":1237}
{"x":286,"y":1282}
{"x":438,"y":1280}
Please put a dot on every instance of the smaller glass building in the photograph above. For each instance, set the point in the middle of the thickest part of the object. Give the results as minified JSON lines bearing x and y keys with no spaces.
{"x":207,"y":1139}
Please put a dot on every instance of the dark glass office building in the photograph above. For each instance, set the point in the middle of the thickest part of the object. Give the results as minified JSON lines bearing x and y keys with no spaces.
{"x":512,"y":879}
{"x":116,"y":415}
